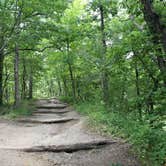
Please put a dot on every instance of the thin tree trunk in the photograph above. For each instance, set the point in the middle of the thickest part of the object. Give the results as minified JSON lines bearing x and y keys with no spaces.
{"x":78,"y":89}
{"x":139,"y":106}
{"x":71,"y":73}
{"x":59,"y":87}
{"x":16,"y":76}
{"x":5,"y":85}
{"x":105,"y":77}
{"x":23,"y":94}
{"x":51,"y":88}
{"x":31,"y":84}
{"x":7,"y":95}
{"x":65,"y":87}
{"x":1,"y":76}
{"x":72,"y":80}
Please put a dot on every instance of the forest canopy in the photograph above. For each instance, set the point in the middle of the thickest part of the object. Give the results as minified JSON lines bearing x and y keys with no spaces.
{"x":110,"y":52}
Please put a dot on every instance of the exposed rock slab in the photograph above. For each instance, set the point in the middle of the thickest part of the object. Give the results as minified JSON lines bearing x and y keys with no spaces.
{"x":52,"y":106}
{"x":70,"y":148}
{"x":49,"y":121}
{"x":50,"y":112}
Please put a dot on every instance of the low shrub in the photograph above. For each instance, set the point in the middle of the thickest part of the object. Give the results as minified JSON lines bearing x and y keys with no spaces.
{"x":24,"y":109}
{"x":66,"y":99}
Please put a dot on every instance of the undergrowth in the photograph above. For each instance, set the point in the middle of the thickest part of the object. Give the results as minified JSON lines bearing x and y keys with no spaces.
{"x":148,"y":142}
{"x":25,"y":109}
{"x":66,"y":99}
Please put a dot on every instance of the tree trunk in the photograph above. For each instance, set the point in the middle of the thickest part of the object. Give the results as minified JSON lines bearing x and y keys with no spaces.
{"x":16,"y":76}
{"x":59,"y":87}
{"x":31,"y":84}
{"x":105,"y":77}
{"x":51,"y":87}
{"x":154,"y":22}
{"x":71,"y":73}
{"x":1,"y":77}
{"x":158,"y":30}
{"x":5,"y":85}
{"x":65,"y":87}
{"x":78,"y":89}
{"x":23,"y":94}
{"x":139,"y":107}
{"x":72,"y":80}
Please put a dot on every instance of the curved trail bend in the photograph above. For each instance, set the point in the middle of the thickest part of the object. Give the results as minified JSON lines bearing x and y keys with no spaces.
{"x":55,"y":135}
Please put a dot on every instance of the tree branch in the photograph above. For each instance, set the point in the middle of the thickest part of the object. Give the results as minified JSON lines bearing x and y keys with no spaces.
{"x":30,"y":49}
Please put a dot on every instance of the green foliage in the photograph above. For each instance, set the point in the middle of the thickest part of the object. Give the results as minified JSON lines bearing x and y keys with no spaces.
{"x":25,"y":109}
{"x":66,"y":99}
{"x":64,"y":50}
{"x":148,"y":143}
{"x":4,"y":109}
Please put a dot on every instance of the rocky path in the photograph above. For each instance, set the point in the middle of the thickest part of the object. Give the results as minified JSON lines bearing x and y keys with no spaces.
{"x":55,"y":135}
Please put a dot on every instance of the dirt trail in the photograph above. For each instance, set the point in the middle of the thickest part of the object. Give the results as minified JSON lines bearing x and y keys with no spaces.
{"x":55,"y":135}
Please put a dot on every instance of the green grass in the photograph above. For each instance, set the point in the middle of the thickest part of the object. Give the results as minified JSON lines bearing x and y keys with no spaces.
{"x":25,"y":109}
{"x":148,"y":142}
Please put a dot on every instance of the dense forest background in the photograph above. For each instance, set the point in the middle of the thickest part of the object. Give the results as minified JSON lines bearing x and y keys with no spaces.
{"x":108,"y":57}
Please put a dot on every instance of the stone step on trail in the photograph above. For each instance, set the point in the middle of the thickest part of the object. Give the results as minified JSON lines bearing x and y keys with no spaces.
{"x":52,"y":106}
{"x":48,"y":121}
{"x":51,"y":111}
{"x":68,"y":148}
{"x":53,"y":101}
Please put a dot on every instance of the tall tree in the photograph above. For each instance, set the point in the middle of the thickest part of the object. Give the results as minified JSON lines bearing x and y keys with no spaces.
{"x":104,"y":74}
{"x":16,"y":76}
{"x":158,"y":28}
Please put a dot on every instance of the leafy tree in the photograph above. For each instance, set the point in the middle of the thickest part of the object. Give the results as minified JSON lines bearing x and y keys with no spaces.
{"x":109,"y":52}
